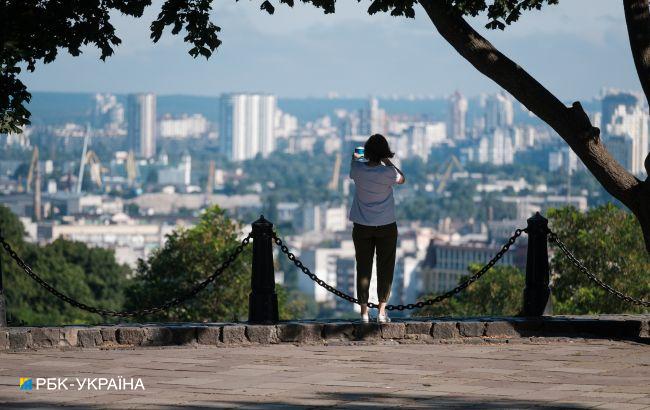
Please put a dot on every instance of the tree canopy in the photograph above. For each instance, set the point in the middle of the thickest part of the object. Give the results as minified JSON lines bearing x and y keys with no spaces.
{"x":90,"y":275}
{"x":35,"y":31}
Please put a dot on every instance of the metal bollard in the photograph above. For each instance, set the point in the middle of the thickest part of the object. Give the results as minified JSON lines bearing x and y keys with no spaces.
{"x":537,"y":294}
{"x":262,"y":301}
{"x":3,"y":303}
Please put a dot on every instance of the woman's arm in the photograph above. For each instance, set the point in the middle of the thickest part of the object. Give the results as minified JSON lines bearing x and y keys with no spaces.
{"x":389,"y":163}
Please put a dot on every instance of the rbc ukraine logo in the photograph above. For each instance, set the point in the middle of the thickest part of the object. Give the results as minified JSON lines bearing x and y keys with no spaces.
{"x":25,"y":383}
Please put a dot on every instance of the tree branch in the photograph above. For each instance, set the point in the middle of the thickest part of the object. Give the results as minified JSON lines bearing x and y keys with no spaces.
{"x":571,"y":123}
{"x":637,"y":17}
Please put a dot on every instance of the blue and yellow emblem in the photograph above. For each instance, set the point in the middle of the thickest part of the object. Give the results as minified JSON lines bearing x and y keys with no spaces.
{"x":25,"y":383}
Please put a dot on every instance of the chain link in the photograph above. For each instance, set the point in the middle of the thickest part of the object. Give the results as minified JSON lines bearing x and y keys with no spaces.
{"x":400,"y":307}
{"x":131,"y":313}
{"x":639,"y":302}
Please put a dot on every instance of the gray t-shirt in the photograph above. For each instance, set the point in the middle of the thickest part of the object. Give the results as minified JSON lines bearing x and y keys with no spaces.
{"x":373,"y":202}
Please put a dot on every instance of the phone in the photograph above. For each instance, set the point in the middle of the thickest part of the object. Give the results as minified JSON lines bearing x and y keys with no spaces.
{"x":358,"y":153}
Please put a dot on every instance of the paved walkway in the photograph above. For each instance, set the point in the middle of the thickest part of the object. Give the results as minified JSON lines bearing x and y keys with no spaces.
{"x":544,"y":374}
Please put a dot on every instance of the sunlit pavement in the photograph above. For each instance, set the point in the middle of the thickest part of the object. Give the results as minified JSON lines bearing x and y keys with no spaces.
{"x":569,"y":373}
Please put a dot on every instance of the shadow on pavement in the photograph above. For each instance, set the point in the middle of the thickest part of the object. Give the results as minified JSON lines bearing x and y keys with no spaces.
{"x":352,"y":400}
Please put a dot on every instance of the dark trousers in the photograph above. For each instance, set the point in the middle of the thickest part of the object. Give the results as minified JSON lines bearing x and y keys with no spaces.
{"x":367,"y":240}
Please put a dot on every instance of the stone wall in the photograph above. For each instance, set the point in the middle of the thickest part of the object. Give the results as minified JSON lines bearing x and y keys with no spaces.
{"x":626,"y":327}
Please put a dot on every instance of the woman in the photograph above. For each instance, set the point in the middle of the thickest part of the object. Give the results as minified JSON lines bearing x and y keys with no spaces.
{"x":373,"y":215}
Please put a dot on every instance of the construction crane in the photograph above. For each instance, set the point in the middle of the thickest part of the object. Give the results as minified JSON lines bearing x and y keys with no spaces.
{"x":96,"y":169}
{"x":131,"y":168}
{"x":334,"y":183}
{"x":448,"y":166}
{"x":35,"y":176}
{"x":209,"y":185}
{"x":82,"y":164}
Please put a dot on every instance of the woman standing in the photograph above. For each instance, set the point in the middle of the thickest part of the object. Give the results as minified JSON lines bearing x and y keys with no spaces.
{"x":373,"y":215}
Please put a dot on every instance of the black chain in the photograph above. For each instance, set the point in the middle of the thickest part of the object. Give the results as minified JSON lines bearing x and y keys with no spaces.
{"x":409,"y":306}
{"x":640,"y":302}
{"x":106,"y":312}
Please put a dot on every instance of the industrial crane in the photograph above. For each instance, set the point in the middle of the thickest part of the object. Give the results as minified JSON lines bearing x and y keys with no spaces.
{"x":334,"y":183}
{"x":449,"y":166}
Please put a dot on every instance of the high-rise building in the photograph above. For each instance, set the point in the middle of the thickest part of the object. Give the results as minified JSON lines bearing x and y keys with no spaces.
{"x":627,"y":136}
{"x":457,"y":117}
{"x":496,"y":147}
{"x":247,"y":125}
{"x":499,"y":111}
{"x":142,"y":124}
{"x":372,"y":119}
{"x":612,"y":100}
{"x":422,"y":137}
{"x":108,"y":113}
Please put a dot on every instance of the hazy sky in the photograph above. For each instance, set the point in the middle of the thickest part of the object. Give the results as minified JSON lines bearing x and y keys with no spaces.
{"x":574,"y":49}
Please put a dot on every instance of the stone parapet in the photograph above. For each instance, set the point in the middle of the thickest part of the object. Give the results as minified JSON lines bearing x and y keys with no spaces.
{"x":419,"y":330}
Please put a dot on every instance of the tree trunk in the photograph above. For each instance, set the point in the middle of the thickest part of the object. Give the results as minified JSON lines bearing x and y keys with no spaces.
{"x":571,"y":123}
{"x":637,"y":18}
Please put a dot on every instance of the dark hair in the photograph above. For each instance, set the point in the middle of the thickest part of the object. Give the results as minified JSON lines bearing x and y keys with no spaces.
{"x":376,"y":148}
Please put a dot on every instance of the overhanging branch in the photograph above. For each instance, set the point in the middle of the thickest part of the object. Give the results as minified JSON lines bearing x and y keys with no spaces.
{"x":637,"y":18}
{"x":571,"y":123}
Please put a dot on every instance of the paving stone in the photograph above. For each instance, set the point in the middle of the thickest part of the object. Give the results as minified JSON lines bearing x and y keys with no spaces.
{"x":89,"y":337}
{"x":338,"y":331}
{"x":130,"y":336}
{"x":300,"y":332}
{"x":471,"y":329}
{"x":367,"y":331}
{"x":235,"y":334}
{"x":263,"y":334}
{"x":209,"y":335}
{"x":20,"y":339}
{"x":418,"y":328}
{"x":108,"y":334}
{"x":157,"y":336}
{"x":501,"y":328}
{"x":444,"y":330}
{"x":46,"y":336}
{"x":184,"y":335}
{"x":393,"y":330}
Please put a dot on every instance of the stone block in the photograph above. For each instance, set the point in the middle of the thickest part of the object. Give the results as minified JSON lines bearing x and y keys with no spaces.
{"x":471,"y":329}
{"x":46,"y":336}
{"x":338,"y":331}
{"x":20,"y":339}
{"x":263,"y":334}
{"x":235,"y":334}
{"x":500,"y":329}
{"x":70,"y":336}
{"x":89,"y":337}
{"x":4,"y":339}
{"x":108,"y":334}
{"x":130,"y":335}
{"x":209,"y":335}
{"x":418,"y":328}
{"x":444,"y":330}
{"x":393,"y":330}
{"x":184,"y":335}
{"x":300,"y":332}
{"x":367,"y":331}
{"x":157,"y":336}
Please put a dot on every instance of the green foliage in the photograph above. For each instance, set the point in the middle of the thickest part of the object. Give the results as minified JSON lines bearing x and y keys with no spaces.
{"x":188,"y":257}
{"x":609,"y":242}
{"x":90,"y":275}
{"x":606,"y":239}
{"x":498,"y":293}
